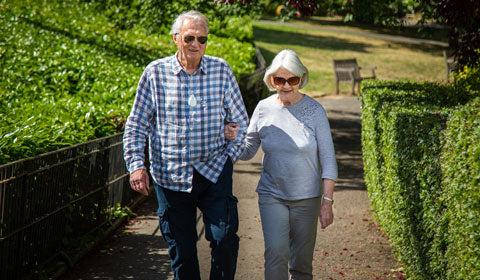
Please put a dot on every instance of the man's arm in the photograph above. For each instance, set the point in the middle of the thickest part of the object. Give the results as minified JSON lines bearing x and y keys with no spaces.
{"x":135,"y":136}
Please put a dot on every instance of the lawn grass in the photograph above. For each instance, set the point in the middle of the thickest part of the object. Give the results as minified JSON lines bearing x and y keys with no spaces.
{"x":427,"y":32}
{"x":394,"y":61}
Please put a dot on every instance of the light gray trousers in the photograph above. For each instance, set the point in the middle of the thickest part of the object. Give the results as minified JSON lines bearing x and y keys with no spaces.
{"x":289,"y":231}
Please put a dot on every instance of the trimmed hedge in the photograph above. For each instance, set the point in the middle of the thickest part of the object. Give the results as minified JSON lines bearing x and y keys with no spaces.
{"x":461,"y":191}
{"x":402,"y":140}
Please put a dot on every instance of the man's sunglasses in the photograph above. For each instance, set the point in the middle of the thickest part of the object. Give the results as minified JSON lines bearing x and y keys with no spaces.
{"x":201,"y":39}
{"x":279,"y":81}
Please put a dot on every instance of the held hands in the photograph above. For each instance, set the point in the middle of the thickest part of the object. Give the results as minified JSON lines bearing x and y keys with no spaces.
{"x":231,"y":131}
{"x":139,"y":181}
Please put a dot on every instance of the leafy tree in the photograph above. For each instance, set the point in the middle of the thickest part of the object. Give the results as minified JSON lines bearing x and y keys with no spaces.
{"x":463,"y":17}
{"x":305,"y":7}
{"x":380,"y":12}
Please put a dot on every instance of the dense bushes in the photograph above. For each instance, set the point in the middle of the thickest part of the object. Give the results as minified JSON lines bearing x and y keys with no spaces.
{"x":403,"y":128}
{"x":461,"y":185}
{"x":156,"y":16}
{"x":69,"y":74}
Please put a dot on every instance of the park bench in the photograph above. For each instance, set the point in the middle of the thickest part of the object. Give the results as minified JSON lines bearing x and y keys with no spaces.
{"x":450,"y":63}
{"x":347,"y":70}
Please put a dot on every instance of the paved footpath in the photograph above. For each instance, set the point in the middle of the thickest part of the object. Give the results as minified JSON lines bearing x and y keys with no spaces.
{"x":351,"y":248}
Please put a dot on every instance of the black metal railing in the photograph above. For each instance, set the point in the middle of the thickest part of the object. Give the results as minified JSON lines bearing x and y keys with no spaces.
{"x":48,"y":202}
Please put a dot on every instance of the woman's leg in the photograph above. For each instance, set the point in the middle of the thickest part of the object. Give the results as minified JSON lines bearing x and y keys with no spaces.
{"x":303,"y":231}
{"x":275,"y":224}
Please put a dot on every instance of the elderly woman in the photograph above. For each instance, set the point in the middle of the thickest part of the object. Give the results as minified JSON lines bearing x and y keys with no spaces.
{"x":299,"y":168}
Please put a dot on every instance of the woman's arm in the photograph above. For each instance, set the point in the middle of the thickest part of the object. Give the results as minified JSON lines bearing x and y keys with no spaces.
{"x":326,"y":154}
{"x":252,"y":141}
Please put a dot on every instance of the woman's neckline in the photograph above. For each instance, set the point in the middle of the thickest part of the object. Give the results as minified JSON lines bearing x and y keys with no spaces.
{"x":277,"y":101}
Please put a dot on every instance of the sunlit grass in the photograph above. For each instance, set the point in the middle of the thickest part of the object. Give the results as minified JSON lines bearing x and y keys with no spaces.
{"x":394,"y":61}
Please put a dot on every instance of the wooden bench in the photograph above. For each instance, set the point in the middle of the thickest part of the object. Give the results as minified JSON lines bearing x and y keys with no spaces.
{"x":347,"y":70}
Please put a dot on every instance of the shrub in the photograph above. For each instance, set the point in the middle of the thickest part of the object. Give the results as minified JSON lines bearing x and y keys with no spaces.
{"x":157,"y":16}
{"x":469,"y":77}
{"x":402,"y":129}
{"x":461,"y":185}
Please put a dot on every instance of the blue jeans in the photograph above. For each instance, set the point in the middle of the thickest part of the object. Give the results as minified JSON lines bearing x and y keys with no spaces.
{"x":177,"y":215}
{"x":289,"y":229}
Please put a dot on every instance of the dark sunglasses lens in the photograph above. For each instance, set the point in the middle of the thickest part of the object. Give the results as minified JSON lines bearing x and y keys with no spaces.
{"x":188,"y":39}
{"x":279,"y":81}
{"x":202,"y":40}
{"x":293,"y":81}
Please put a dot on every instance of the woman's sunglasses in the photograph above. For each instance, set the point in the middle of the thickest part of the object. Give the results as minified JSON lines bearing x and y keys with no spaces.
{"x":279,"y":81}
{"x":201,"y":39}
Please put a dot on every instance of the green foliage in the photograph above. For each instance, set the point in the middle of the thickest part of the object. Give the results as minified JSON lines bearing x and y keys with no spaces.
{"x":463,"y":18}
{"x":380,"y":12}
{"x":330,"y":7}
{"x":119,"y":212}
{"x":69,"y":74}
{"x":461,"y":185}
{"x":157,"y":16}
{"x":469,"y":77}
{"x":402,"y":131}
{"x":239,"y":28}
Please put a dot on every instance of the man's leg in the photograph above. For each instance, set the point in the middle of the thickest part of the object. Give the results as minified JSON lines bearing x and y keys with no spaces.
{"x":220,"y":215}
{"x":177,"y":217}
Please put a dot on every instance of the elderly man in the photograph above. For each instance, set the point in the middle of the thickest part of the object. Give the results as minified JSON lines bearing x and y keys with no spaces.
{"x":182,"y":104}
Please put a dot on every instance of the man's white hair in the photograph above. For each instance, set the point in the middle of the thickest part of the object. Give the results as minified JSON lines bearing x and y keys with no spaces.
{"x":290,"y":61}
{"x":195,"y":15}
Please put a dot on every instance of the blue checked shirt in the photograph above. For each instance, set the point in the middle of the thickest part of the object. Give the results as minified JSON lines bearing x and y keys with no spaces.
{"x":183,"y":117}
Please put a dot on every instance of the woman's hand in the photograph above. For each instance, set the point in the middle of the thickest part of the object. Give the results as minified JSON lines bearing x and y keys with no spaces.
{"x":326,"y":211}
{"x":231,"y":131}
{"x":326,"y":214}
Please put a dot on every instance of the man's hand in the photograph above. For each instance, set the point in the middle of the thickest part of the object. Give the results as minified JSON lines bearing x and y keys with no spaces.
{"x":231,"y":131}
{"x":139,"y":181}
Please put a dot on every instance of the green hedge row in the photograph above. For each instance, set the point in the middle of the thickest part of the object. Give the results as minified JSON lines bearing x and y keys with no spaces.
{"x":461,"y":192}
{"x":403,"y":142}
{"x":69,"y":74}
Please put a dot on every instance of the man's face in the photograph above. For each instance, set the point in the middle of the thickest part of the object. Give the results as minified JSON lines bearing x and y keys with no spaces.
{"x":194,"y":50}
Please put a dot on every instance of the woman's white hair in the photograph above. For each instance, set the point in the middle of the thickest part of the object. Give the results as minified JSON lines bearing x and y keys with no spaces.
{"x":195,"y":15}
{"x":290,"y":61}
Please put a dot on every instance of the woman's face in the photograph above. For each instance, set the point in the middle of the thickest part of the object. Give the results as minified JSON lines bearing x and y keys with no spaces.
{"x":286,"y":83}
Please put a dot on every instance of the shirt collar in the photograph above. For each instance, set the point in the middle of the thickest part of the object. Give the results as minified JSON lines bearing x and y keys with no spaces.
{"x":177,"y":67}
